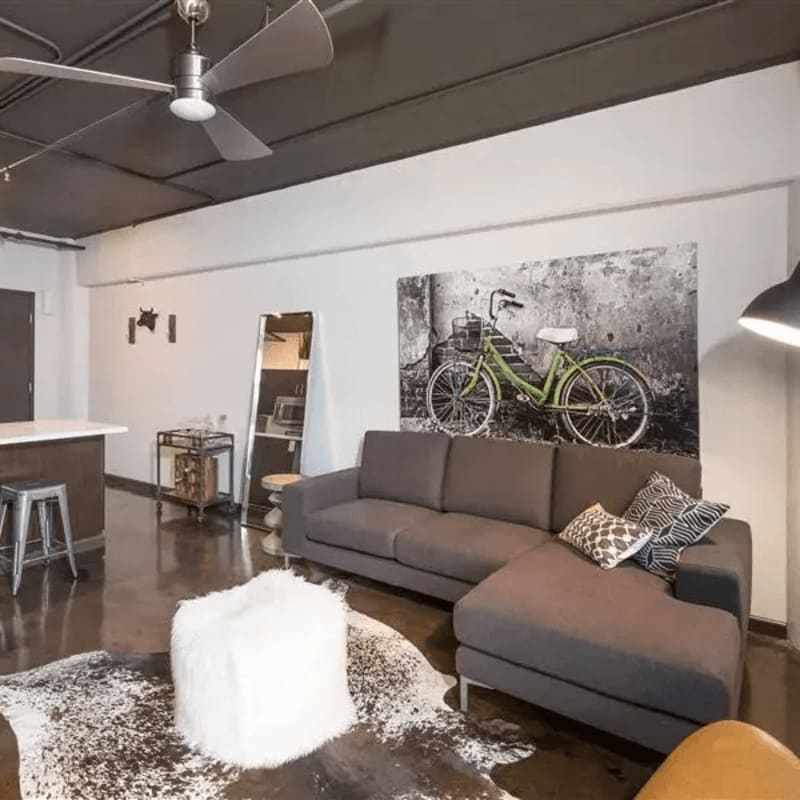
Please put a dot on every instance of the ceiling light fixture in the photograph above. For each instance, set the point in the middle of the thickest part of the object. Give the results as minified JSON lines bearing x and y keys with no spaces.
{"x":192,"y":109}
{"x":775,"y":313}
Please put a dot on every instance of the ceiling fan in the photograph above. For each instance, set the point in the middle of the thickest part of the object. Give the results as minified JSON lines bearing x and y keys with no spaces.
{"x":296,"y":41}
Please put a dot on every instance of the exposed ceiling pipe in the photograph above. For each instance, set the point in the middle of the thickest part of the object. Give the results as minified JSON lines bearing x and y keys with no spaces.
{"x":150,"y":17}
{"x":40,"y":241}
{"x":34,"y":37}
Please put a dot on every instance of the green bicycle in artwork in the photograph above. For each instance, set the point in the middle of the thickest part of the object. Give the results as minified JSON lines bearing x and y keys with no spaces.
{"x":602,"y":400}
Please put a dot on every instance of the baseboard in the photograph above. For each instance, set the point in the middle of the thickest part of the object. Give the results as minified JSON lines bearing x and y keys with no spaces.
{"x":130,"y":485}
{"x":768,"y":627}
{"x":91,"y":543}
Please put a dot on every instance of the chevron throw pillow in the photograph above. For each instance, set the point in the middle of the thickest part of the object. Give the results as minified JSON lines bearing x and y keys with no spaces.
{"x":606,"y":539}
{"x":678,"y":520}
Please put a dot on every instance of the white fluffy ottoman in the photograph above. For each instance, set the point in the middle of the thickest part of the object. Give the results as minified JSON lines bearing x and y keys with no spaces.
{"x":260,"y":670}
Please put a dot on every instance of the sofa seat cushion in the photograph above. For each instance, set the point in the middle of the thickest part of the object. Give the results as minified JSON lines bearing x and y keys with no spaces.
{"x":367,"y":525}
{"x":619,"y":632}
{"x":464,"y":546}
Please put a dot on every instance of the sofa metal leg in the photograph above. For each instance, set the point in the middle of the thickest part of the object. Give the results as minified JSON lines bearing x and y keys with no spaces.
{"x":463,"y":691}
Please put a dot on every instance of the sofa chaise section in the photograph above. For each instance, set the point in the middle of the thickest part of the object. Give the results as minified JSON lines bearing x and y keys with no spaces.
{"x":619,"y":649}
{"x":618,"y":633}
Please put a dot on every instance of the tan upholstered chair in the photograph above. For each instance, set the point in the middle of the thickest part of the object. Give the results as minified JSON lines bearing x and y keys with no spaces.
{"x":727,"y":761}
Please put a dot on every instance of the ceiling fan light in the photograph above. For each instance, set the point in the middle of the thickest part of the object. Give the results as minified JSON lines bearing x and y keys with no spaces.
{"x":192,"y":109}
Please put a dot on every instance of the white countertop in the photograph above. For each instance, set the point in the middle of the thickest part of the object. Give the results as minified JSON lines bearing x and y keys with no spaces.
{"x":46,"y":430}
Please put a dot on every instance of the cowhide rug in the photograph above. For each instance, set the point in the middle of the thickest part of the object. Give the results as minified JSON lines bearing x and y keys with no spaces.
{"x":98,"y":726}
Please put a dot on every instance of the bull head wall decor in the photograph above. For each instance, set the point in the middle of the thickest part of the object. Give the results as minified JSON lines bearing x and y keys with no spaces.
{"x":147,"y":319}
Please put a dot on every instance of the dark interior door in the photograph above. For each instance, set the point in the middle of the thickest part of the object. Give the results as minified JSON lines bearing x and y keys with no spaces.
{"x":16,"y":355}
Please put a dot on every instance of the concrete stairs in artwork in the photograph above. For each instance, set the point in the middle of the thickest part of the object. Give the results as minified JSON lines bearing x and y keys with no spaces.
{"x":511,"y":354}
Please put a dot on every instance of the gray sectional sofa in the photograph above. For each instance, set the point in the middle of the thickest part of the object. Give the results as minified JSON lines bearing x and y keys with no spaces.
{"x":473,"y":521}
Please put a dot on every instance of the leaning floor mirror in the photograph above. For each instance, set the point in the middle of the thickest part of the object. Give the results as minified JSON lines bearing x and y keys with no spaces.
{"x":274,"y":456}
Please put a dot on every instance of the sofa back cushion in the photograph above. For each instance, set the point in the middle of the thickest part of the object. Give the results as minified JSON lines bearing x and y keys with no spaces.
{"x":498,"y":479}
{"x":404,"y":466}
{"x":586,"y":475}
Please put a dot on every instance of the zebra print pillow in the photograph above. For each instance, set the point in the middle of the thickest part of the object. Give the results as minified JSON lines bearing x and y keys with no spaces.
{"x":678,"y":519}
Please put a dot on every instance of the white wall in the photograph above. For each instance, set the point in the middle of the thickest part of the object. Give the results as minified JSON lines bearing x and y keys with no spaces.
{"x":153,"y":385}
{"x":673,"y":168}
{"x":718,"y":137}
{"x":62,"y":326}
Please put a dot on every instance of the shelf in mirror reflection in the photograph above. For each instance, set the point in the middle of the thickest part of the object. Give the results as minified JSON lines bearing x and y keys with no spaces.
{"x":283,"y":436}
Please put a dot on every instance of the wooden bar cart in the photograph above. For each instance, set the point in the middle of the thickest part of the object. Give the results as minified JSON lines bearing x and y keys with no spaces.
{"x":197,"y":458}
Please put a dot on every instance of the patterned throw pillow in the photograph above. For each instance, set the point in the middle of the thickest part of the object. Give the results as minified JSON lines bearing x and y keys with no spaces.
{"x":678,"y":520}
{"x":606,"y":539}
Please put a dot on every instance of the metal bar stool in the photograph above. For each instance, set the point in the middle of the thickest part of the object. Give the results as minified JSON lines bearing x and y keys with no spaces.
{"x":22,"y":495}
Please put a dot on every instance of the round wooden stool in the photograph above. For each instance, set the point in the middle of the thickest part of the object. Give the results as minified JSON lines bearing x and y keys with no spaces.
{"x":272,"y":543}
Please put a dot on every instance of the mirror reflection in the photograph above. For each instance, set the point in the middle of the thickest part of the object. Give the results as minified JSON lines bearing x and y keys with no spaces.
{"x":275,"y":447}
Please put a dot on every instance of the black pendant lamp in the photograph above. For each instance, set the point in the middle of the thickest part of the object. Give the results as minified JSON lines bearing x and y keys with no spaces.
{"x":775,"y":313}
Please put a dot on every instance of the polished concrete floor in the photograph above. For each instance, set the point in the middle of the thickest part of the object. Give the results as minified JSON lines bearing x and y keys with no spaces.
{"x":125,"y":600}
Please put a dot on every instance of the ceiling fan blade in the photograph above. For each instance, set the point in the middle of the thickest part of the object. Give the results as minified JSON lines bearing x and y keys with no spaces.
{"x":232,"y":139}
{"x":26,"y":66}
{"x":298,"y":40}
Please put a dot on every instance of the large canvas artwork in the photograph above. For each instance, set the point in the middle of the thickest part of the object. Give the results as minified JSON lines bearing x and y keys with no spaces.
{"x":598,"y":349}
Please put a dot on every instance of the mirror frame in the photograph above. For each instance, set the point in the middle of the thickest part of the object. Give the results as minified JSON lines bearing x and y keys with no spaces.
{"x":254,"y":398}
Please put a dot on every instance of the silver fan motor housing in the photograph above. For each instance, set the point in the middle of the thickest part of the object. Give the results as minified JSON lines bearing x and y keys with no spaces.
{"x":187,"y":75}
{"x":196,"y":11}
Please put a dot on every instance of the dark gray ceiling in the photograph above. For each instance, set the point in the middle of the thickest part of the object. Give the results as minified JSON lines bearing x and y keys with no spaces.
{"x":409,"y":76}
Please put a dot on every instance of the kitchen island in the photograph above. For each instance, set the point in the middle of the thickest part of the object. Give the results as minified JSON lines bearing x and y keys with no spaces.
{"x":68,"y":450}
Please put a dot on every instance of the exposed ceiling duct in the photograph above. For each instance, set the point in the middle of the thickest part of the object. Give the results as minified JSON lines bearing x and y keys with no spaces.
{"x":41,"y":241}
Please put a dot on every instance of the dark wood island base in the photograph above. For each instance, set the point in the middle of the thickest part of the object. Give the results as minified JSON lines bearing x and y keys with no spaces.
{"x":56,"y":450}
{"x":77,"y":462}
